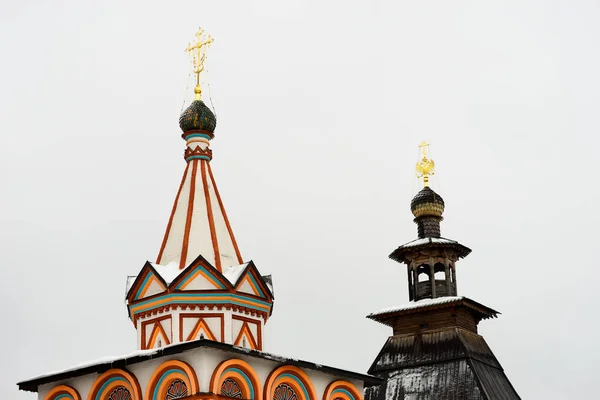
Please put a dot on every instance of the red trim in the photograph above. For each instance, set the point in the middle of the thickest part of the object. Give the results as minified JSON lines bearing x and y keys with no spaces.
{"x":211,"y":219}
{"x":157,"y":322}
{"x":200,"y":317}
{"x":251,"y":269}
{"x":164,"y":243}
{"x":258,"y":330}
{"x":246,"y":329}
{"x":185,"y":306}
{"x":235,"y":246}
{"x":214,"y":273}
{"x":188,"y":220}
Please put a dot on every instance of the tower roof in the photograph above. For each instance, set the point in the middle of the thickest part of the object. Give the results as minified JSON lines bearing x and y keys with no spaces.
{"x":198,"y":224}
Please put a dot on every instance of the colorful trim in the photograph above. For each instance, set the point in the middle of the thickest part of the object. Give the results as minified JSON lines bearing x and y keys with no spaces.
{"x":256,"y":323}
{"x":246,"y":332}
{"x":164,"y":243}
{"x":188,"y":219}
{"x":200,"y":270}
{"x":148,"y":343}
{"x":207,"y":158}
{"x":342,"y":390}
{"x":63,"y":392}
{"x":113,"y":379}
{"x":157,"y":331}
{"x":201,"y":326}
{"x":235,"y":246}
{"x":146,"y":283}
{"x":165,"y":374}
{"x":253,"y":285}
{"x":201,"y":298}
{"x":198,"y":316}
{"x":197,"y":135}
{"x":242,"y":373}
{"x":211,"y":221}
{"x":292,"y":376}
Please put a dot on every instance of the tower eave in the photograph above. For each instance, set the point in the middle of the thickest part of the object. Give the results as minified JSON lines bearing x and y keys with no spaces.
{"x":400,"y":253}
{"x":388,"y":316}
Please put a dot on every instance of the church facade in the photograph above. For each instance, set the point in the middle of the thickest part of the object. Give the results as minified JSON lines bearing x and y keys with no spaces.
{"x":199,"y":311}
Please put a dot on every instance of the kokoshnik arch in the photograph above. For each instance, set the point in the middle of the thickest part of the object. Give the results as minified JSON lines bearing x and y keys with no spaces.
{"x":200,"y":310}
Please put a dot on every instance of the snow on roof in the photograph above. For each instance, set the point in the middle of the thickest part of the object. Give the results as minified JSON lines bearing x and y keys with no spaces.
{"x":102,"y":360}
{"x":233,"y":273}
{"x":168,"y":271}
{"x":426,"y":240}
{"x":175,"y":348}
{"x":417,"y":304}
{"x":130,"y":280}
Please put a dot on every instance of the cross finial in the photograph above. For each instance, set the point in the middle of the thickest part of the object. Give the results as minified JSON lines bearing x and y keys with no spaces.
{"x":197,"y":50}
{"x":426,"y":166}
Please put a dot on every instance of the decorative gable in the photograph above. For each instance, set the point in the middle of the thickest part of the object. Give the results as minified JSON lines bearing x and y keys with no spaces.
{"x":251,"y":282}
{"x":146,"y":284}
{"x":200,"y":275}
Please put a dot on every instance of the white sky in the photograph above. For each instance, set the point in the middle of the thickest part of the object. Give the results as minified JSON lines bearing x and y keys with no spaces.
{"x":321,"y":106}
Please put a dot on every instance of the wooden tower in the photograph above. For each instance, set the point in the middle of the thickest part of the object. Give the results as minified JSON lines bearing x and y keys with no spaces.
{"x":435,"y":352}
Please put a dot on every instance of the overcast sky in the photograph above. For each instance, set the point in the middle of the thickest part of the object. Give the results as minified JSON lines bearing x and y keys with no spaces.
{"x":320,"y":106}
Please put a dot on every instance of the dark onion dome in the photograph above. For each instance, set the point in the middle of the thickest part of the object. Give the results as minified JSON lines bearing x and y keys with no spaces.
{"x":427,"y":202}
{"x":198,"y":117}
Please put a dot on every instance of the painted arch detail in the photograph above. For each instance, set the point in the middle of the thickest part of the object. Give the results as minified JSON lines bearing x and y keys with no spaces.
{"x":63,"y":392}
{"x":172,"y":379}
{"x":341,"y":390}
{"x":289,"y":383}
{"x":116,"y":384}
{"x":236,"y":379}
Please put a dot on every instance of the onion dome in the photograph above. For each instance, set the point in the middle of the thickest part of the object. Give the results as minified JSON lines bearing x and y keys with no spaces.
{"x":427,"y":203}
{"x":198,"y":117}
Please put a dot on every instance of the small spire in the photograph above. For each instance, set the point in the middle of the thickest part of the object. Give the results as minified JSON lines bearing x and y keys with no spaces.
{"x":197,"y":51}
{"x":425,"y":167}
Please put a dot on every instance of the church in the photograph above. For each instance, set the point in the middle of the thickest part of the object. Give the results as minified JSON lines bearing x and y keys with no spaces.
{"x":199,"y":311}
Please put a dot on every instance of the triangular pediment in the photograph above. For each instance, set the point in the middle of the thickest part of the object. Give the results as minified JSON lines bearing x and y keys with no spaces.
{"x":158,"y":337}
{"x":251,"y":282}
{"x":201,"y":331}
{"x":200,"y":275}
{"x":245,"y":338}
{"x":146,"y":284}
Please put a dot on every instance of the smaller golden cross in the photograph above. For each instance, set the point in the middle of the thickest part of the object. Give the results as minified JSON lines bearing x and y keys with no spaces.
{"x":426,"y":166}
{"x":197,"y":50}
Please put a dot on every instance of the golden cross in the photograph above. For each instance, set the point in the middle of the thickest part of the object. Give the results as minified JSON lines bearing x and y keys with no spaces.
{"x":426,"y":166}
{"x":197,"y":50}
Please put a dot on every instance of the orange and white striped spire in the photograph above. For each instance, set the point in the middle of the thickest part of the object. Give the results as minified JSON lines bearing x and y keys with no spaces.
{"x":198,"y":224}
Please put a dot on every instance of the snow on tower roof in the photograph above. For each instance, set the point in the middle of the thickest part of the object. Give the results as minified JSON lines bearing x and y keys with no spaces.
{"x":171,"y":271}
{"x":416,"y":304}
{"x":234,"y":272}
{"x":388,"y":315}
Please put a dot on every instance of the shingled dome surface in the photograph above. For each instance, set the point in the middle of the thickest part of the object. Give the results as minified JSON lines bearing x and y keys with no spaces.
{"x":427,"y":202}
{"x":198,"y":117}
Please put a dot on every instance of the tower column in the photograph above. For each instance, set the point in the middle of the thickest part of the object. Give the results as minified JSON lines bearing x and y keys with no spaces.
{"x":448,"y":280}
{"x":432,"y":277}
